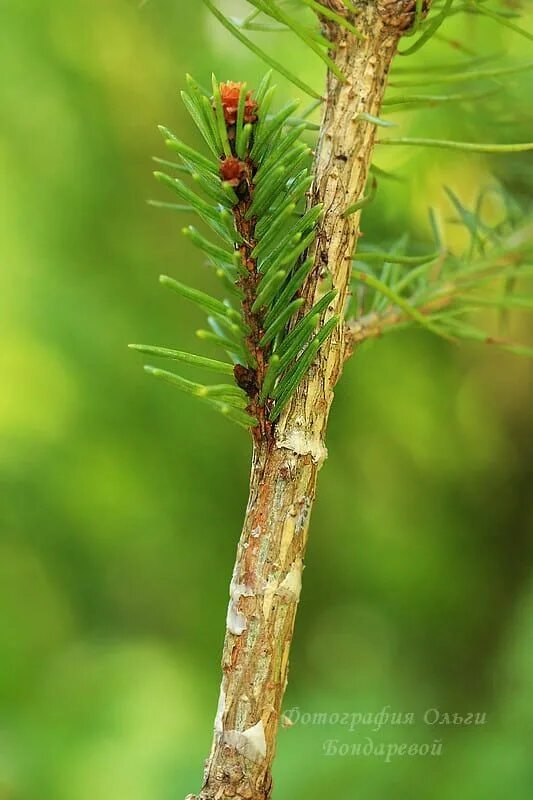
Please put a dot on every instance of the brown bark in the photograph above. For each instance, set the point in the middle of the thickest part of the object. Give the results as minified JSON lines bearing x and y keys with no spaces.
{"x":266,"y":582}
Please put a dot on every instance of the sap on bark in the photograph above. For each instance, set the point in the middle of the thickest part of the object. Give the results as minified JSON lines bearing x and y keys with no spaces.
{"x":250,"y":743}
{"x":291,"y":586}
{"x":303,"y":443}
{"x":236,"y":621}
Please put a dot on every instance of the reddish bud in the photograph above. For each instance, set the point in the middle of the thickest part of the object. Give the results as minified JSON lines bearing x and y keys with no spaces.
{"x":232,"y":170}
{"x":229,"y":95}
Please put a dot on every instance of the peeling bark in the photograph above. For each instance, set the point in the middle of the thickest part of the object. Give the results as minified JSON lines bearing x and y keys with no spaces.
{"x":266,"y":583}
{"x":265,"y":590}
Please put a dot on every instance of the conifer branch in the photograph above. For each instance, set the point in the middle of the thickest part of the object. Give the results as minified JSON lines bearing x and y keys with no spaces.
{"x":266,"y":585}
{"x":445,"y":292}
{"x":285,"y":235}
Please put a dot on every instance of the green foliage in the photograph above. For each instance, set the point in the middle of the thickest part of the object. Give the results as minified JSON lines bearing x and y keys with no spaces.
{"x":468,"y":147}
{"x":446,"y":292}
{"x":108,"y":683}
{"x":502,"y":17}
{"x":255,"y":202}
{"x":251,"y":193}
{"x":431,"y":27}
{"x":294,"y":17}
{"x":263,"y":54}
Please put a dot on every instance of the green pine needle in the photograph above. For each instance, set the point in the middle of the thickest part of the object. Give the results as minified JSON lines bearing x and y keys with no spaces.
{"x":268,"y":288}
{"x":201,"y":299}
{"x":163,"y":162}
{"x":280,"y":321}
{"x":461,"y":76}
{"x":210,"y":249}
{"x":467,"y":147}
{"x":401,"y":102}
{"x":394,"y":258}
{"x":501,"y":20}
{"x":289,"y":290}
{"x":221,"y":122}
{"x":241,"y":139}
{"x":186,"y":358}
{"x":227,"y":392}
{"x":315,"y":43}
{"x":327,"y":12}
{"x":298,"y":337}
{"x":432,"y":27}
{"x":286,"y":387}
{"x":381,"y":123}
{"x":189,"y":155}
{"x":270,"y":377}
{"x":171,"y":206}
{"x":398,"y":300}
{"x":364,"y":201}
{"x":228,"y":407}
{"x":221,"y":341}
{"x":196,"y":111}
{"x":266,"y":57}
{"x":307,"y":324}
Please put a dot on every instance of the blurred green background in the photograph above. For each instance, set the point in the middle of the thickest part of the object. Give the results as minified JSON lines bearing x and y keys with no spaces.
{"x":121,"y":501}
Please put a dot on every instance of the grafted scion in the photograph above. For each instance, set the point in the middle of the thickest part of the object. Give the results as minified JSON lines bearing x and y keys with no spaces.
{"x":256,"y":186}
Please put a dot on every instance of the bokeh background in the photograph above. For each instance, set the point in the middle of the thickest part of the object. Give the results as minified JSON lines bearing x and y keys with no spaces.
{"x":121,"y":500}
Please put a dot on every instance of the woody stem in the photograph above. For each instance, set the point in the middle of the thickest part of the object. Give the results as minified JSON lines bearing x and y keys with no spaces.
{"x":266,"y":582}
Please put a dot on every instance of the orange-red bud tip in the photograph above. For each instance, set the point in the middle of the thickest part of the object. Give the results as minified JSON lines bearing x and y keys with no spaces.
{"x":232,"y":170}
{"x":229,"y":95}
